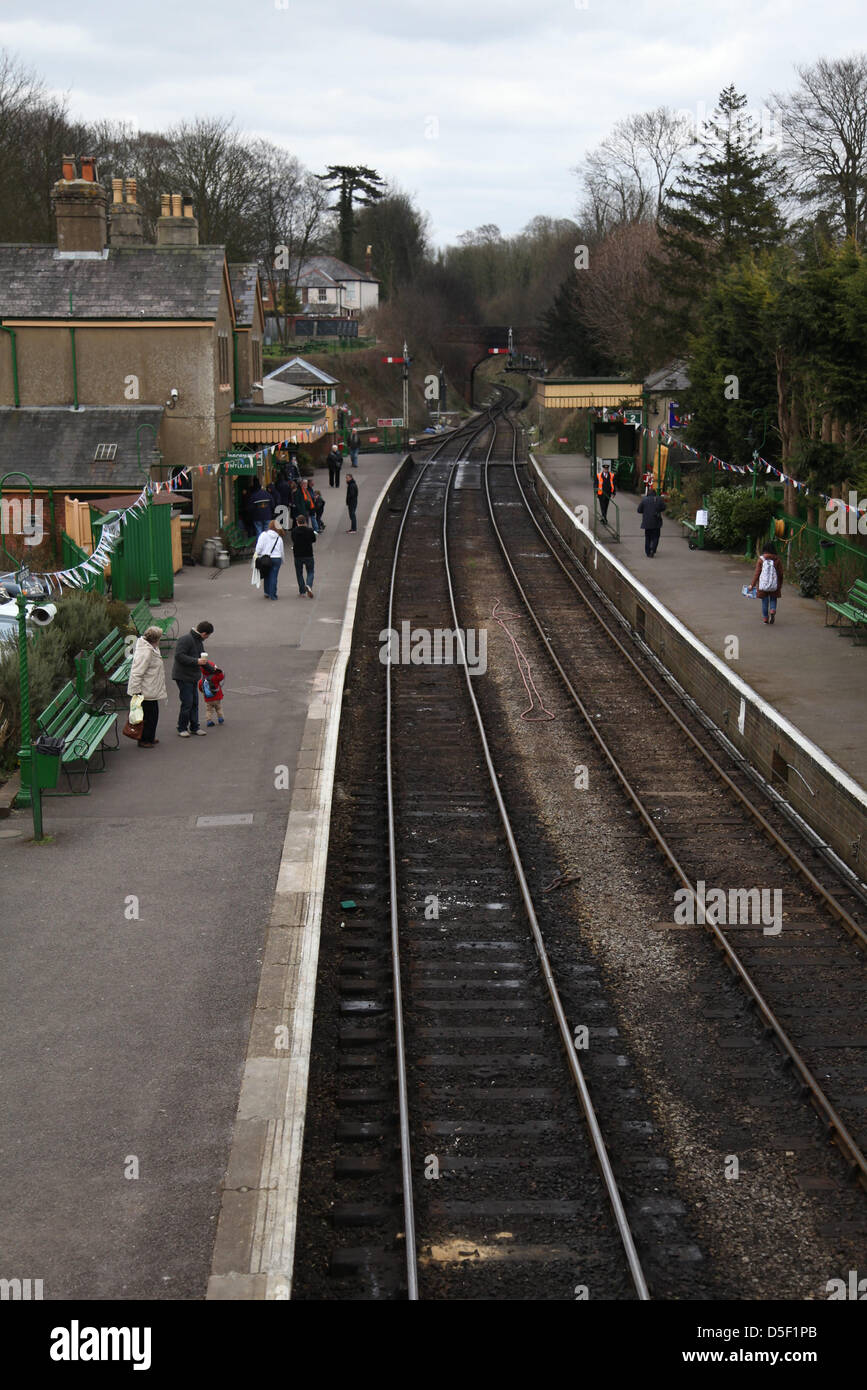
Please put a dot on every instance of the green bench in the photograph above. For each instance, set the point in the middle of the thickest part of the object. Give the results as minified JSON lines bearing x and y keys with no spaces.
{"x":143,"y":617}
{"x":85,"y":666}
{"x":83,"y":729}
{"x":853,"y":609}
{"x":114,"y":658}
{"x":237,"y":542}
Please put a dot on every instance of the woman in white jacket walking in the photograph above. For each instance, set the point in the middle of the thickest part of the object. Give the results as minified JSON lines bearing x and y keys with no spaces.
{"x":147,"y":678}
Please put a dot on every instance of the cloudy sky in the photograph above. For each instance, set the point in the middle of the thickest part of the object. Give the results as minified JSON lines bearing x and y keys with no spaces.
{"x":479,"y":108}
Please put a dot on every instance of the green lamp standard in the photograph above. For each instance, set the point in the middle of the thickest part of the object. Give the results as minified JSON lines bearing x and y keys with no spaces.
{"x":29,"y":793}
{"x":153,"y":578}
{"x":760,"y":410}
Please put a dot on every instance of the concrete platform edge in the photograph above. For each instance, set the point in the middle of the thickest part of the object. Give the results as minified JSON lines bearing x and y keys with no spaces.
{"x":837,"y":808}
{"x":255,"y":1243}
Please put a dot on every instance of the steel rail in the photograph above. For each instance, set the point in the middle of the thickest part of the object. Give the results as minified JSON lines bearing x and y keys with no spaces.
{"x":844,"y":1140}
{"x":593,"y":1126}
{"x":410,"y":1245}
{"x":844,"y":917}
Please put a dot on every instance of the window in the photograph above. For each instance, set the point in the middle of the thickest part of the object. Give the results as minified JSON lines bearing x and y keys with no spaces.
{"x":319,"y":395}
{"x":104,"y":453}
{"x":323,"y":295}
{"x":223,"y":358}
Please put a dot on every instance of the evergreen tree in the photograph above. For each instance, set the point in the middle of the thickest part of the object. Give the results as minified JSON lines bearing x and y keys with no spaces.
{"x":725,"y":204}
{"x":353,"y":183}
{"x":565,"y":338}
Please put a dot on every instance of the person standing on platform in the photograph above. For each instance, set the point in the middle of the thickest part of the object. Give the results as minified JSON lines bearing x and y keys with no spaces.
{"x":768,"y":577}
{"x":353,"y":448}
{"x":268,"y":557}
{"x":261,"y":508}
{"x":303,"y":541}
{"x":307,"y":504}
{"x":605,"y":488}
{"x":351,"y":501}
{"x":335,"y":463}
{"x":319,"y":502}
{"x":189,"y":657}
{"x":651,"y":508}
{"x":147,"y":677}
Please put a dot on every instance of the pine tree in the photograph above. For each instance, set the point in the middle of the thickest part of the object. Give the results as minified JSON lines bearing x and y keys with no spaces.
{"x":353,"y":183}
{"x":725,"y":204}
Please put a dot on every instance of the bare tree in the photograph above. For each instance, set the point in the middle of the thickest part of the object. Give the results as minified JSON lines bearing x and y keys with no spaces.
{"x":626,"y":178}
{"x":824,"y":126}
{"x":616,"y":280}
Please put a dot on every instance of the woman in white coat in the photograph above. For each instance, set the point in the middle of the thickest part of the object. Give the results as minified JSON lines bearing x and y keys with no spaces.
{"x":269,"y":550}
{"x":147,"y":678}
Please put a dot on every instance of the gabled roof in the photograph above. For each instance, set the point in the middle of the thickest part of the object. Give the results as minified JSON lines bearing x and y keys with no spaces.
{"x":244,"y":278}
{"x":129,"y":282}
{"x":674,"y":377}
{"x":339,"y":270}
{"x":56,"y":445}
{"x":297,"y":372}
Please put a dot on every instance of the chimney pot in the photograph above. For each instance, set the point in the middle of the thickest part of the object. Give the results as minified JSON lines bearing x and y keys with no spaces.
{"x":117,"y":190}
{"x":177,"y":207}
{"x":132,"y":191}
{"x":69,"y":170}
{"x":188,"y":206}
{"x":88,"y":168}
{"x":165,"y":205}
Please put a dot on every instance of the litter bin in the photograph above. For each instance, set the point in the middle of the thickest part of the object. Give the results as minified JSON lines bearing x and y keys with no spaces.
{"x":47,"y":753}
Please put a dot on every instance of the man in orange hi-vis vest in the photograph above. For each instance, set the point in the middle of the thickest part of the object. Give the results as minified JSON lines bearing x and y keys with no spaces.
{"x":605,"y":487}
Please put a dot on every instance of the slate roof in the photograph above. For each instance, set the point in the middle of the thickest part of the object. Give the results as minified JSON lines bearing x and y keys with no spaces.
{"x":56,"y":445}
{"x":297,"y":372}
{"x":339,"y":270}
{"x":243,"y":277}
{"x":130,"y":282}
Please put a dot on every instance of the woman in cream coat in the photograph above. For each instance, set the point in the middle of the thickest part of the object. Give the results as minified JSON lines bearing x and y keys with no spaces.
{"x":148,"y":679}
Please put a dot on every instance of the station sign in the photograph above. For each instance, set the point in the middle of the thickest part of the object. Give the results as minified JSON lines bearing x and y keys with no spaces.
{"x":390,"y":424}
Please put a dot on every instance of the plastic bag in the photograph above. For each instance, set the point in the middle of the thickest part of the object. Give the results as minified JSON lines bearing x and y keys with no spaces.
{"x":136,"y":713}
{"x":748,"y":592}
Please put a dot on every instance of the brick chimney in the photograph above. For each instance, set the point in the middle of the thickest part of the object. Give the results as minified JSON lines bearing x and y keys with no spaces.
{"x":126,"y":220}
{"x":176,"y":225}
{"x":79,"y":204}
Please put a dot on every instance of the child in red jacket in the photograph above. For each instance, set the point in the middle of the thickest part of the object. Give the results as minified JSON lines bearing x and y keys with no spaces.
{"x":211,"y":686}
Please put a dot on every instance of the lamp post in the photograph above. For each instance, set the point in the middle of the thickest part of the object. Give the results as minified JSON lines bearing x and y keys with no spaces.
{"x":29,"y":793}
{"x":153,"y":578}
{"x":760,"y":410}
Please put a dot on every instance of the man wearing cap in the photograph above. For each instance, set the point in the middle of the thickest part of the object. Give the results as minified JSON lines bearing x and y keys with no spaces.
{"x":605,"y":488}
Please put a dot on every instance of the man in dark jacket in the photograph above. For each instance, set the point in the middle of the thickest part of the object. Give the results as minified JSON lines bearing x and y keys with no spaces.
{"x":186,"y":673}
{"x":351,"y":501}
{"x":353,"y":448}
{"x":303,"y":541}
{"x":335,"y":463}
{"x":651,"y":508}
{"x":261,"y":509}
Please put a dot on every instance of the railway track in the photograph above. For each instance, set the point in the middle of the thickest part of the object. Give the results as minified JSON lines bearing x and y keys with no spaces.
{"x":815,"y":952}
{"x":452,"y":1147}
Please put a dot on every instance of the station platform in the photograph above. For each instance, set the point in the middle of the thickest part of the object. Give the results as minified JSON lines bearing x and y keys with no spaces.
{"x":134,"y":946}
{"x":811,"y":674}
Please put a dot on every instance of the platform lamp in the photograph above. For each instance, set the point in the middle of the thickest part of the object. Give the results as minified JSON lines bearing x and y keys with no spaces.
{"x":756,"y":449}
{"x":153,"y":578}
{"x":29,"y":793}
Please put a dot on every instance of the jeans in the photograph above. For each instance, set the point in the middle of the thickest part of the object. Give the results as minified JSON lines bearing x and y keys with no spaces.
{"x":188,"y":716}
{"x":260,"y":526}
{"x":353,"y":457}
{"x":151,"y":711}
{"x":768,"y":601}
{"x":300,"y":564}
{"x":351,"y":511}
{"x":651,"y":540}
{"x":270,"y":578}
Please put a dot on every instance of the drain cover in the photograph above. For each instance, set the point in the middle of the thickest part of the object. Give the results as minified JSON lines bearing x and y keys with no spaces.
{"x":205,"y":822}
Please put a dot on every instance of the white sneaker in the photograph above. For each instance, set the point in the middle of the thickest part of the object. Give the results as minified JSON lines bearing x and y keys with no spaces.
{"x":183,"y":733}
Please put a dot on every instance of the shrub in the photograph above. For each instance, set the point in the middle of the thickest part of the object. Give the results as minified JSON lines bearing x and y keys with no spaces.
{"x":675,"y":504}
{"x":752,"y":515}
{"x":807,"y":571}
{"x":734,"y":514}
{"x":837,"y":578}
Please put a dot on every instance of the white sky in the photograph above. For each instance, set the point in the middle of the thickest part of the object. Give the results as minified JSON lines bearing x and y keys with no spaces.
{"x":479,"y":108}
